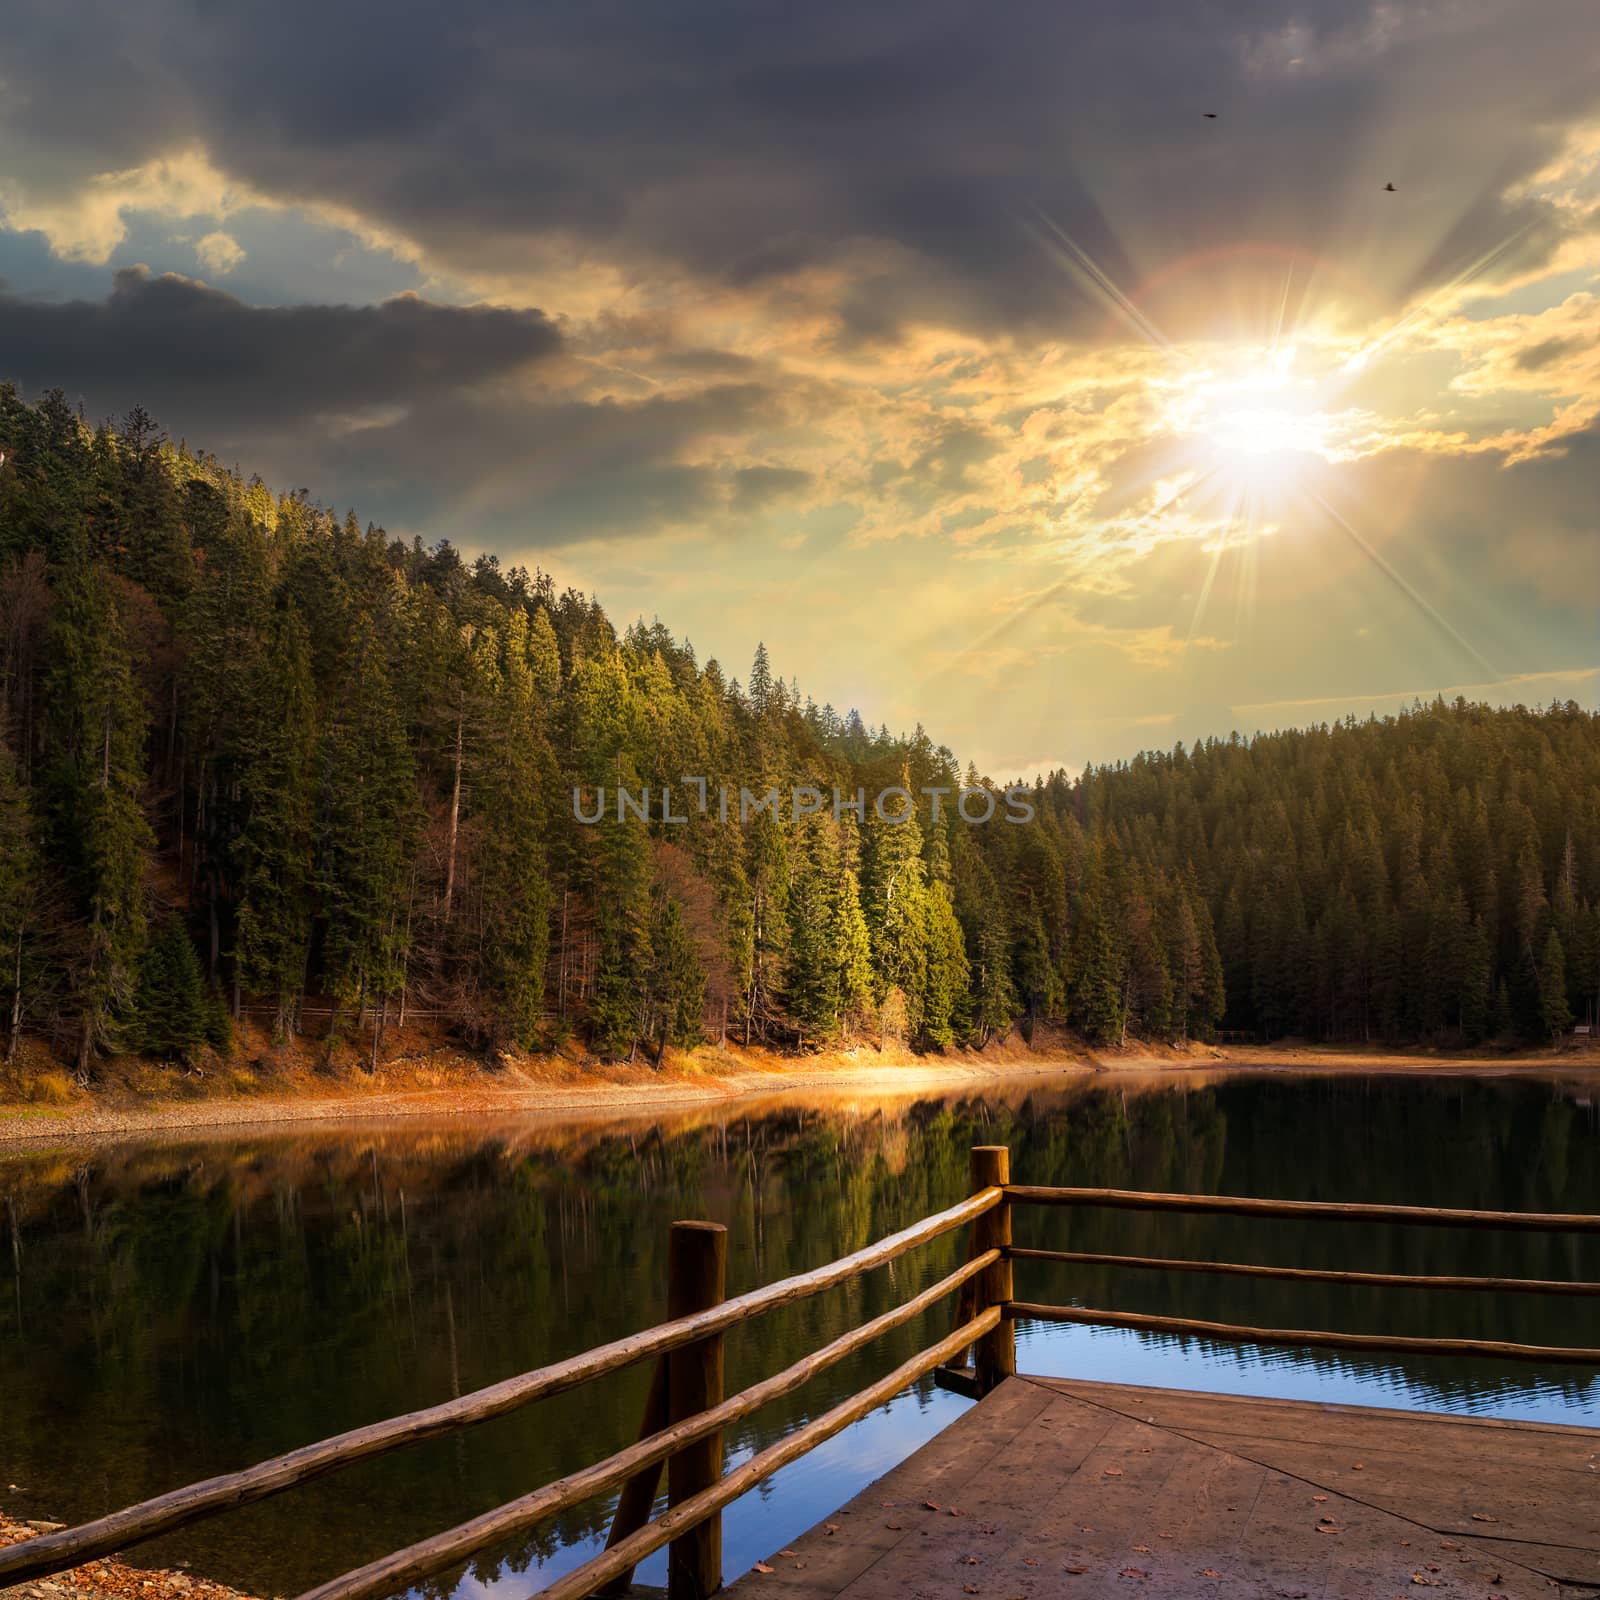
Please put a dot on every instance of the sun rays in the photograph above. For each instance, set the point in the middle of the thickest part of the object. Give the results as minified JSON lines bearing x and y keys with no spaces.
{"x":1244,"y":436}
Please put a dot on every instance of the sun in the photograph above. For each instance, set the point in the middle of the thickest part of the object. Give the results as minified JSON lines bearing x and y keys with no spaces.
{"x":1253,"y":423}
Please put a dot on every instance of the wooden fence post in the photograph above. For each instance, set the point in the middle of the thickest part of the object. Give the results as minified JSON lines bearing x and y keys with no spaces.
{"x":995,"y":1358}
{"x":696,"y":1280}
{"x":638,"y":1497}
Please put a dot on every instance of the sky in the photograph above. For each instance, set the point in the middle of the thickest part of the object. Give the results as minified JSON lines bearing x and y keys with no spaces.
{"x":1065,"y":377}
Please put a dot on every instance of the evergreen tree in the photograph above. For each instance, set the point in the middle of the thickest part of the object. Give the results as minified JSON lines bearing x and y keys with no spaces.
{"x":677,"y":988}
{"x":1098,"y":1007}
{"x":1555,"y":1016}
{"x":173,"y":1015}
{"x":95,"y":776}
{"x":365,"y":815}
{"x":275,"y":848}
{"x":946,"y":971}
{"x":893,"y":900}
{"x":23,"y":907}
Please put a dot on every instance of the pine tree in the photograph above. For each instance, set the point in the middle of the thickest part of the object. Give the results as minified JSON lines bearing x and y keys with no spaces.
{"x":946,"y":971}
{"x":511,"y":776}
{"x":173,"y":1014}
{"x":893,"y":900}
{"x":1555,"y":1016}
{"x":365,"y":813}
{"x":1097,"y":988}
{"x":23,"y":906}
{"x":275,"y":847}
{"x":677,"y":986}
{"x":95,"y":775}
{"x":811,"y":995}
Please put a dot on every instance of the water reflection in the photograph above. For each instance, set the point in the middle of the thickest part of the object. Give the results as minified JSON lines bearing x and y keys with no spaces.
{"x":182,"y":1308}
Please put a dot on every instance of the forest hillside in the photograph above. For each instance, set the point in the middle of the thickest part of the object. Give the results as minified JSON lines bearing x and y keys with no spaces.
{"x":260,"y":760}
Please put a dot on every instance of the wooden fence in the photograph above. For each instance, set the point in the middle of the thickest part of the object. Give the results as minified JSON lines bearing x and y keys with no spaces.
{"x":687,"y":1411}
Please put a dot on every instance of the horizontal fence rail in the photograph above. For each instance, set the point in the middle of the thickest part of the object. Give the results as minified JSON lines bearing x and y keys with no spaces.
{"x":1373,"y":1280}
{"x":1230,"y":1333}
{"x":577,"y":1584}
{"x":56,"y":1552}
{"x":429,"y":1557}
{"x":1304,"y":1210}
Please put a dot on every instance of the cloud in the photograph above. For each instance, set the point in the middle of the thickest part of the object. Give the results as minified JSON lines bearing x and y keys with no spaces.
{"x":963,"y":305}
{"x":87,"y":222}
{"x":219,"y":252}
{"x":766,"y":152}
{"x":209,"y":364}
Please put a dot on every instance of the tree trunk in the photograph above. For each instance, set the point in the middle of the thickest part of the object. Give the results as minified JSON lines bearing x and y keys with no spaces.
{"x":16,"y":1006}
{"x":455,"y":820}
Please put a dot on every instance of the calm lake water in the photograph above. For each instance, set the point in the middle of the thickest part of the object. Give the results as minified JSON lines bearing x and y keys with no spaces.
{"x":172,"y":1310}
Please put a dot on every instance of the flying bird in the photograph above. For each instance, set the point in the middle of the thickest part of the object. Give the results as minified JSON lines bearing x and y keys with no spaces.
{"x":1389,"y":188}
{"x":1211,"y":114}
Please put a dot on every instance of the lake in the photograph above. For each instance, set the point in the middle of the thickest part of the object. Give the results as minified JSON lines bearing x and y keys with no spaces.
{"x":184,"y":1307}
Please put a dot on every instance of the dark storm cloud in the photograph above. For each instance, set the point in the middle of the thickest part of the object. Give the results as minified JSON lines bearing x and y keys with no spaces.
{"x":749,"y":140}
{"x":542,"y":472}
{"x":198,"y":357}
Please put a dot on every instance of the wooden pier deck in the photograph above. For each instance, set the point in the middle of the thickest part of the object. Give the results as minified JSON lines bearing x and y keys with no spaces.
{"x":1055,"y":1488}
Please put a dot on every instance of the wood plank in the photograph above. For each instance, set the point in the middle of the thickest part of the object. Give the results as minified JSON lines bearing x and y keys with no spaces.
{"x":1540,"y":1484}
{"x":1079,"y":1497}
{"x":824,"y":1564}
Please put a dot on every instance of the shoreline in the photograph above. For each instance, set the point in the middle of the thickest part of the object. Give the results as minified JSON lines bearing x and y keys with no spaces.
{"x":704,"y":1082}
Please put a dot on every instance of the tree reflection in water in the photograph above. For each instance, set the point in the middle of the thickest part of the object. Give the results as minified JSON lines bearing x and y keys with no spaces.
{"x":183,"y":1308}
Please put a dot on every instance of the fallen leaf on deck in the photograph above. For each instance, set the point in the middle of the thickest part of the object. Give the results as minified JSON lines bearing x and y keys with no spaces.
{"x":1134,"y":1572}
{"x":1075,"y":1571}
{"x":1357,"y":1466}
{"x":1319,"y":1497}
{"x":969,"y":1588}
{"x":1030,"y":1561}
{"x":761,"y":1566}
{"x":1423,"y":1579}
{"x":1142,"y":1549}
{"x":1334,"y":1529}
{"x":932,"y":1505}
{"x":1209,"y":1572}
{"x":969,"y":1561}
{"x":830,"y":1527}
{"x":1483,"y":1516}
{"x":894,"y":1527}
{"x":1113,"y":1472}
{"x":788,"y":1552}
{"x":956,"y":1511}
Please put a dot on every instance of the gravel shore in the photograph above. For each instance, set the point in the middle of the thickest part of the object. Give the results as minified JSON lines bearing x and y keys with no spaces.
{"x":109,"y":1579}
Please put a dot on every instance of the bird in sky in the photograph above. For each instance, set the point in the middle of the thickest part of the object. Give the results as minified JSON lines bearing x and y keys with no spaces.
{"x":1211,"y":114}
{"x":1389,"y":188}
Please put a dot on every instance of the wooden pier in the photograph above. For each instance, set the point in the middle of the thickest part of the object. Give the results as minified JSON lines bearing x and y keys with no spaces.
{"x":1054,"y":1488}
{"x":1046,"y":1487}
